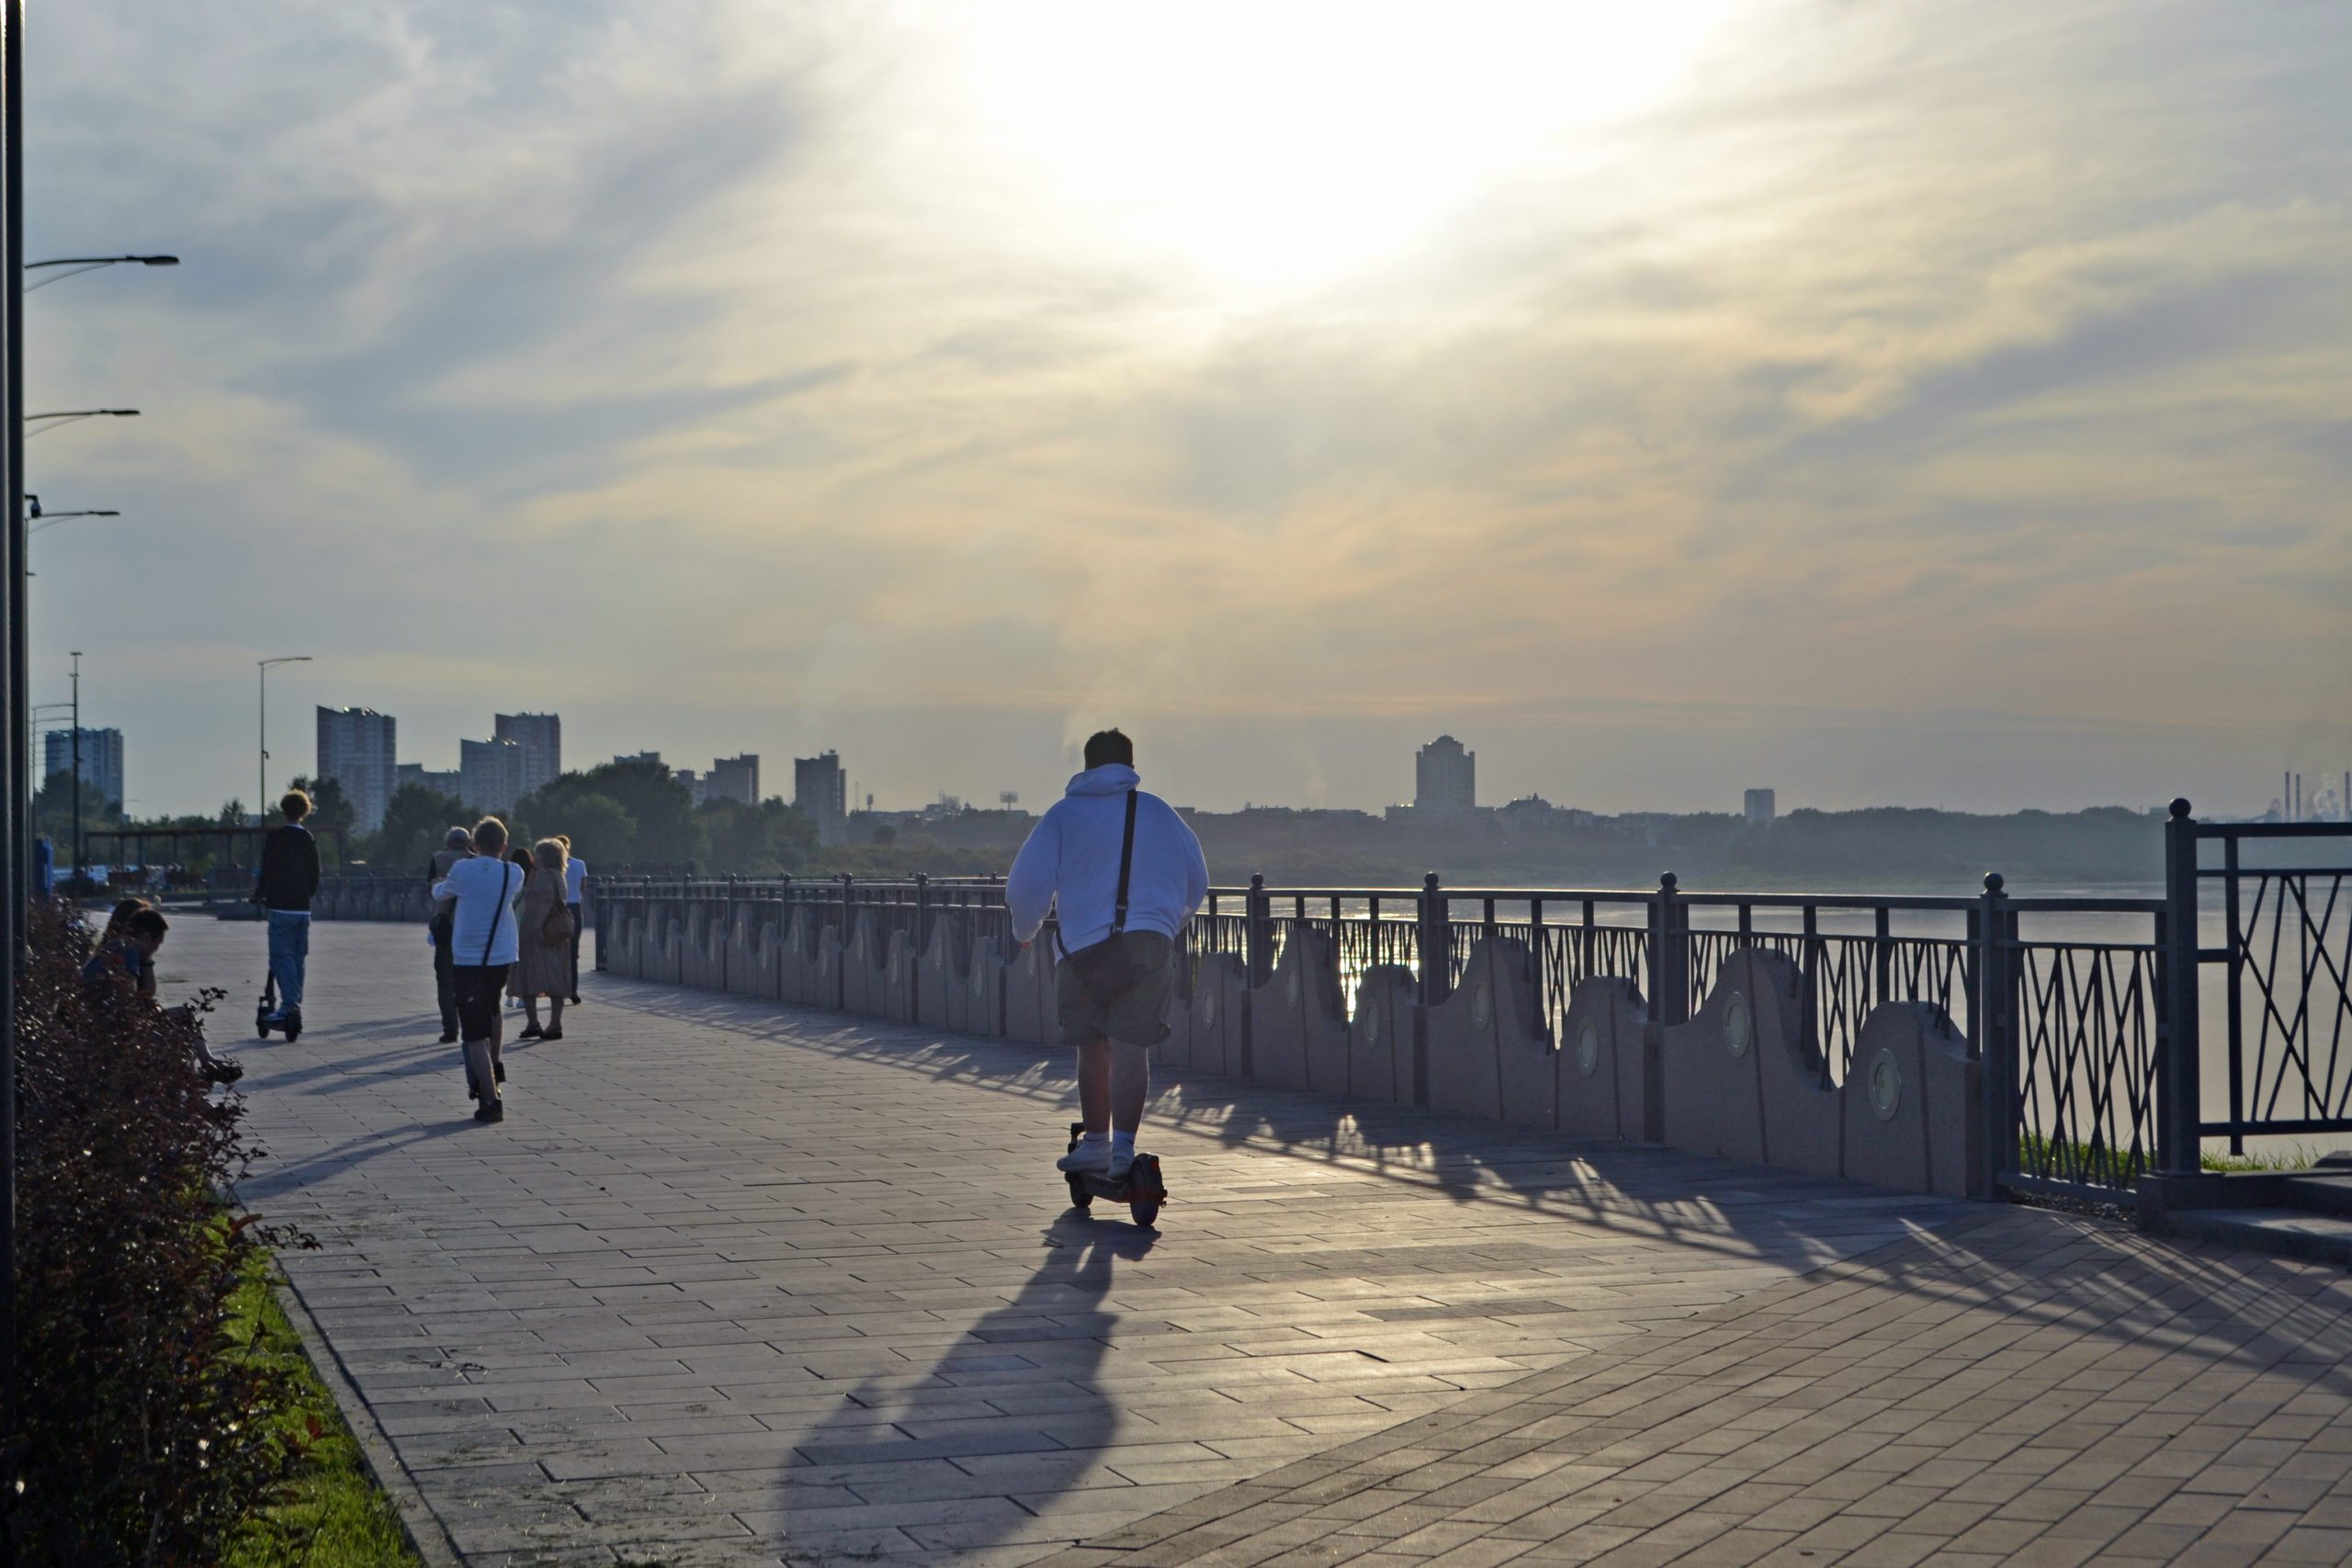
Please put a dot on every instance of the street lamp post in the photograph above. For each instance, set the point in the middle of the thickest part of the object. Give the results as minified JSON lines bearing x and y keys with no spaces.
{"x":261,"y":801}
{"x":78,"y":862}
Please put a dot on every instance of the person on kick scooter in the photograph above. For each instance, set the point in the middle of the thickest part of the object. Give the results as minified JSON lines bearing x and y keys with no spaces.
{"x":288,"y":881}
{"x":1124,"y":873}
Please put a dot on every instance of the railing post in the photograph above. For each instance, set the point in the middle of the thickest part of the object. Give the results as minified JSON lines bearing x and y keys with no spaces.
{"x":1670,"y":954}
{"x":1993,"y":1020}
{"x":1257,"y":942}
{"x":2179,"y":1143}
{"x":840,"y":967}
{"x":917,"y":947}
{"x":1437,"y":943}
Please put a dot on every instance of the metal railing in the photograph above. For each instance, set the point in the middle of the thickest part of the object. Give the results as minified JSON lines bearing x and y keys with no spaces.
{"x":2283,"y":1014}
{"x":2082,"y":1014}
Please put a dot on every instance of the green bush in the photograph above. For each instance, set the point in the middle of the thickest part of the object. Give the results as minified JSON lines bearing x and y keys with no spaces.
{"x":144,"y":1428}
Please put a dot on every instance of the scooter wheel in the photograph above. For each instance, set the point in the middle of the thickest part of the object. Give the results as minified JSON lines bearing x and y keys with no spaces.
{"x":1144,"y":1214}
{"x":293,"y":1030}
{"x":261,"y":1025}
{"x":1080,"y":1198}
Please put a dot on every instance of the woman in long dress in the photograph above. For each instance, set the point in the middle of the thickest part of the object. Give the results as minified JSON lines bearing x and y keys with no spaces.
{"x":546,"y":966}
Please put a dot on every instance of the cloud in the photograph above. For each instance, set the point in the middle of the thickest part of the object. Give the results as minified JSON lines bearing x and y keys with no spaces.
{"x":736,"y":377}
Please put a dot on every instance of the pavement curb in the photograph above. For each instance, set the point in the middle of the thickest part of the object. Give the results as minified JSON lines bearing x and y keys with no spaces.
{"x":423,"y":1526}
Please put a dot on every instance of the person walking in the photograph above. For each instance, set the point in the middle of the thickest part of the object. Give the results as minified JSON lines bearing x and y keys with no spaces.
{"x":456,"y":845}
{"x":544,"y":967}
{"x":288,"y":882}
{"x":575,"y":894}
{"x":1124,"y":873}
{"x":485,"y":889}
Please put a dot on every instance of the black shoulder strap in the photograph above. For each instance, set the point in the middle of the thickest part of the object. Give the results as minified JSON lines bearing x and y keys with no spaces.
{"x":506,"y":871}
{"x":1127,"y":864}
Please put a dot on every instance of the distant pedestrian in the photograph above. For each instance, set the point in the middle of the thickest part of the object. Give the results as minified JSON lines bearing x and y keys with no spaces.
{"x":288,"y":881}
{"x":483,"y":941}
{"x":575,"y":895}
{"x":1124,"y":873}
{"x":456,"y":845}
{"x":544,"y":967}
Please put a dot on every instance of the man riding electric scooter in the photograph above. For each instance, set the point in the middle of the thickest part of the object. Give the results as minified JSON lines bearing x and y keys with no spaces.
{"x":1124,"y":873}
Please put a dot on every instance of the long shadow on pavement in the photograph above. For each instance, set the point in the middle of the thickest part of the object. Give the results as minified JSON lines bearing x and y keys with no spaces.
{"x":1012,"y":1409}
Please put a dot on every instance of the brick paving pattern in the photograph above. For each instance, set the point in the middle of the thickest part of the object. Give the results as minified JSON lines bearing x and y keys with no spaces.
{"x":737,"y":1283}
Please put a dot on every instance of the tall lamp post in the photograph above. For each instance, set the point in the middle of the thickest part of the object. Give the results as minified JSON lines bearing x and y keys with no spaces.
{"x":261,"y":801}
{"x":78,"y":862}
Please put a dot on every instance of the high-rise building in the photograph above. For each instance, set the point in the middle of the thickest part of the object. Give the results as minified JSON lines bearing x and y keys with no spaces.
{"x":733,"y":778}
{"x":1761,"y":807}
{"x":101,"y":764}
{"x":541,"y":737}
{"x":490,"y":775}
{"x":821,"y":790}
{"x":450,"y":782}
{"x":355,"y":751}
{"x":1445,"y":777}
{"x":697,"y":786}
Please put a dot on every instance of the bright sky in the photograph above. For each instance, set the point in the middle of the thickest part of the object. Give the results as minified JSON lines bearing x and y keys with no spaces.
{"x":1933,"y":404}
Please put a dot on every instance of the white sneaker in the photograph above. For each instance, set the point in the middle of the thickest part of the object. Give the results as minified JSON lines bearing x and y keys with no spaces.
{"x":1122,"y":1161}
{"x":1086,"y":1159}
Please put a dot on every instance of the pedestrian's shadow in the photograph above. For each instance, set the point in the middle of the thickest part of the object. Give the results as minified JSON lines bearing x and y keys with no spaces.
{"x":1013,"y":1407}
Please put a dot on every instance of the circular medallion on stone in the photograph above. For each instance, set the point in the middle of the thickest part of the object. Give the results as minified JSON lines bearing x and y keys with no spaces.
{"x":1885,"y":1085}
{"x":1588,"y":1049}
{"x":1739,"y":1030}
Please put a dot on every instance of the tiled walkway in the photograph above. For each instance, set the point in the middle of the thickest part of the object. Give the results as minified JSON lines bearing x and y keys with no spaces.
{"x":740,"y":1284}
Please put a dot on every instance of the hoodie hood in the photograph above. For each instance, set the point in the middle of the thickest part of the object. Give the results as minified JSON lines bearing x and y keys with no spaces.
{"x":1111,"y":778}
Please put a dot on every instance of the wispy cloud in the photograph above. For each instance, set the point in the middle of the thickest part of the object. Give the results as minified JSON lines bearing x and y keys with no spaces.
{"x":746,"y":376}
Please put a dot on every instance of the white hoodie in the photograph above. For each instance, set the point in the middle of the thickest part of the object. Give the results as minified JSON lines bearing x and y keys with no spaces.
{"x":1071,"y":862}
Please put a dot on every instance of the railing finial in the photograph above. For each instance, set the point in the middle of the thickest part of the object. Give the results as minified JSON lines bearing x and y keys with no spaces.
{"x":1668,"y":882}
{"x":1993,"y":881}
{"x":2180,"y":805}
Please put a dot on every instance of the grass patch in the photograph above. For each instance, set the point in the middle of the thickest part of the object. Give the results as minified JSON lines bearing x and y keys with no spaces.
{"x":2294,"y":1157}
{"x":336,"y":1515}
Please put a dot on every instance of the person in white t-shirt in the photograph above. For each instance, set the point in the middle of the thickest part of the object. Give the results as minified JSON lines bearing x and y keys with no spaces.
{"x":483,"y":946}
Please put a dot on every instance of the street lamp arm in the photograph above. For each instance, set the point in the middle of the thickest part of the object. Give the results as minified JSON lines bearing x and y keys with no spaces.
{"x":67,"y":416}
{"x":51,"y":519}
{"x":80,"y":265}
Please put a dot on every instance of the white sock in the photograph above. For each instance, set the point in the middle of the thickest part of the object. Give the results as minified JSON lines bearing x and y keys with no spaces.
{"x":1094,"y":1137}
{"x":1124,"y":1141}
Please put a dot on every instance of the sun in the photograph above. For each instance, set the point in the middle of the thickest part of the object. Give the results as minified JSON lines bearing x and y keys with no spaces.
{"x":1289,"y":141}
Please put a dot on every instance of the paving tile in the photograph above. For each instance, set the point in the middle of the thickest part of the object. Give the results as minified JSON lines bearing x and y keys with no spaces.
{"x":703,"y":1289}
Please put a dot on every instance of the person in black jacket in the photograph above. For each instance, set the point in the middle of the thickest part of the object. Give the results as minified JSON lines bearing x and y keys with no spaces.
{"x":288,"y":881}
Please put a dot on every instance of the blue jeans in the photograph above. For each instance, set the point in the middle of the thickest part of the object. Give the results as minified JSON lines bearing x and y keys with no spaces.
{"x":290,"y":953}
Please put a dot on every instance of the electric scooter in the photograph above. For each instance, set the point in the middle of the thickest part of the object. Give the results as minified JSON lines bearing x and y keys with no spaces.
{"x":1142,"y":1190}
{"x":292,"y":1023}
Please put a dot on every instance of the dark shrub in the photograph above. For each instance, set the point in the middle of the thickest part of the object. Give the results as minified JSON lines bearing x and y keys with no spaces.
{"x":142,"y":1434}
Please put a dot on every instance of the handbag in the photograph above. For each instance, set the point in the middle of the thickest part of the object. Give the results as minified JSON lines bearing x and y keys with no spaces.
{"x":555,"y":931}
